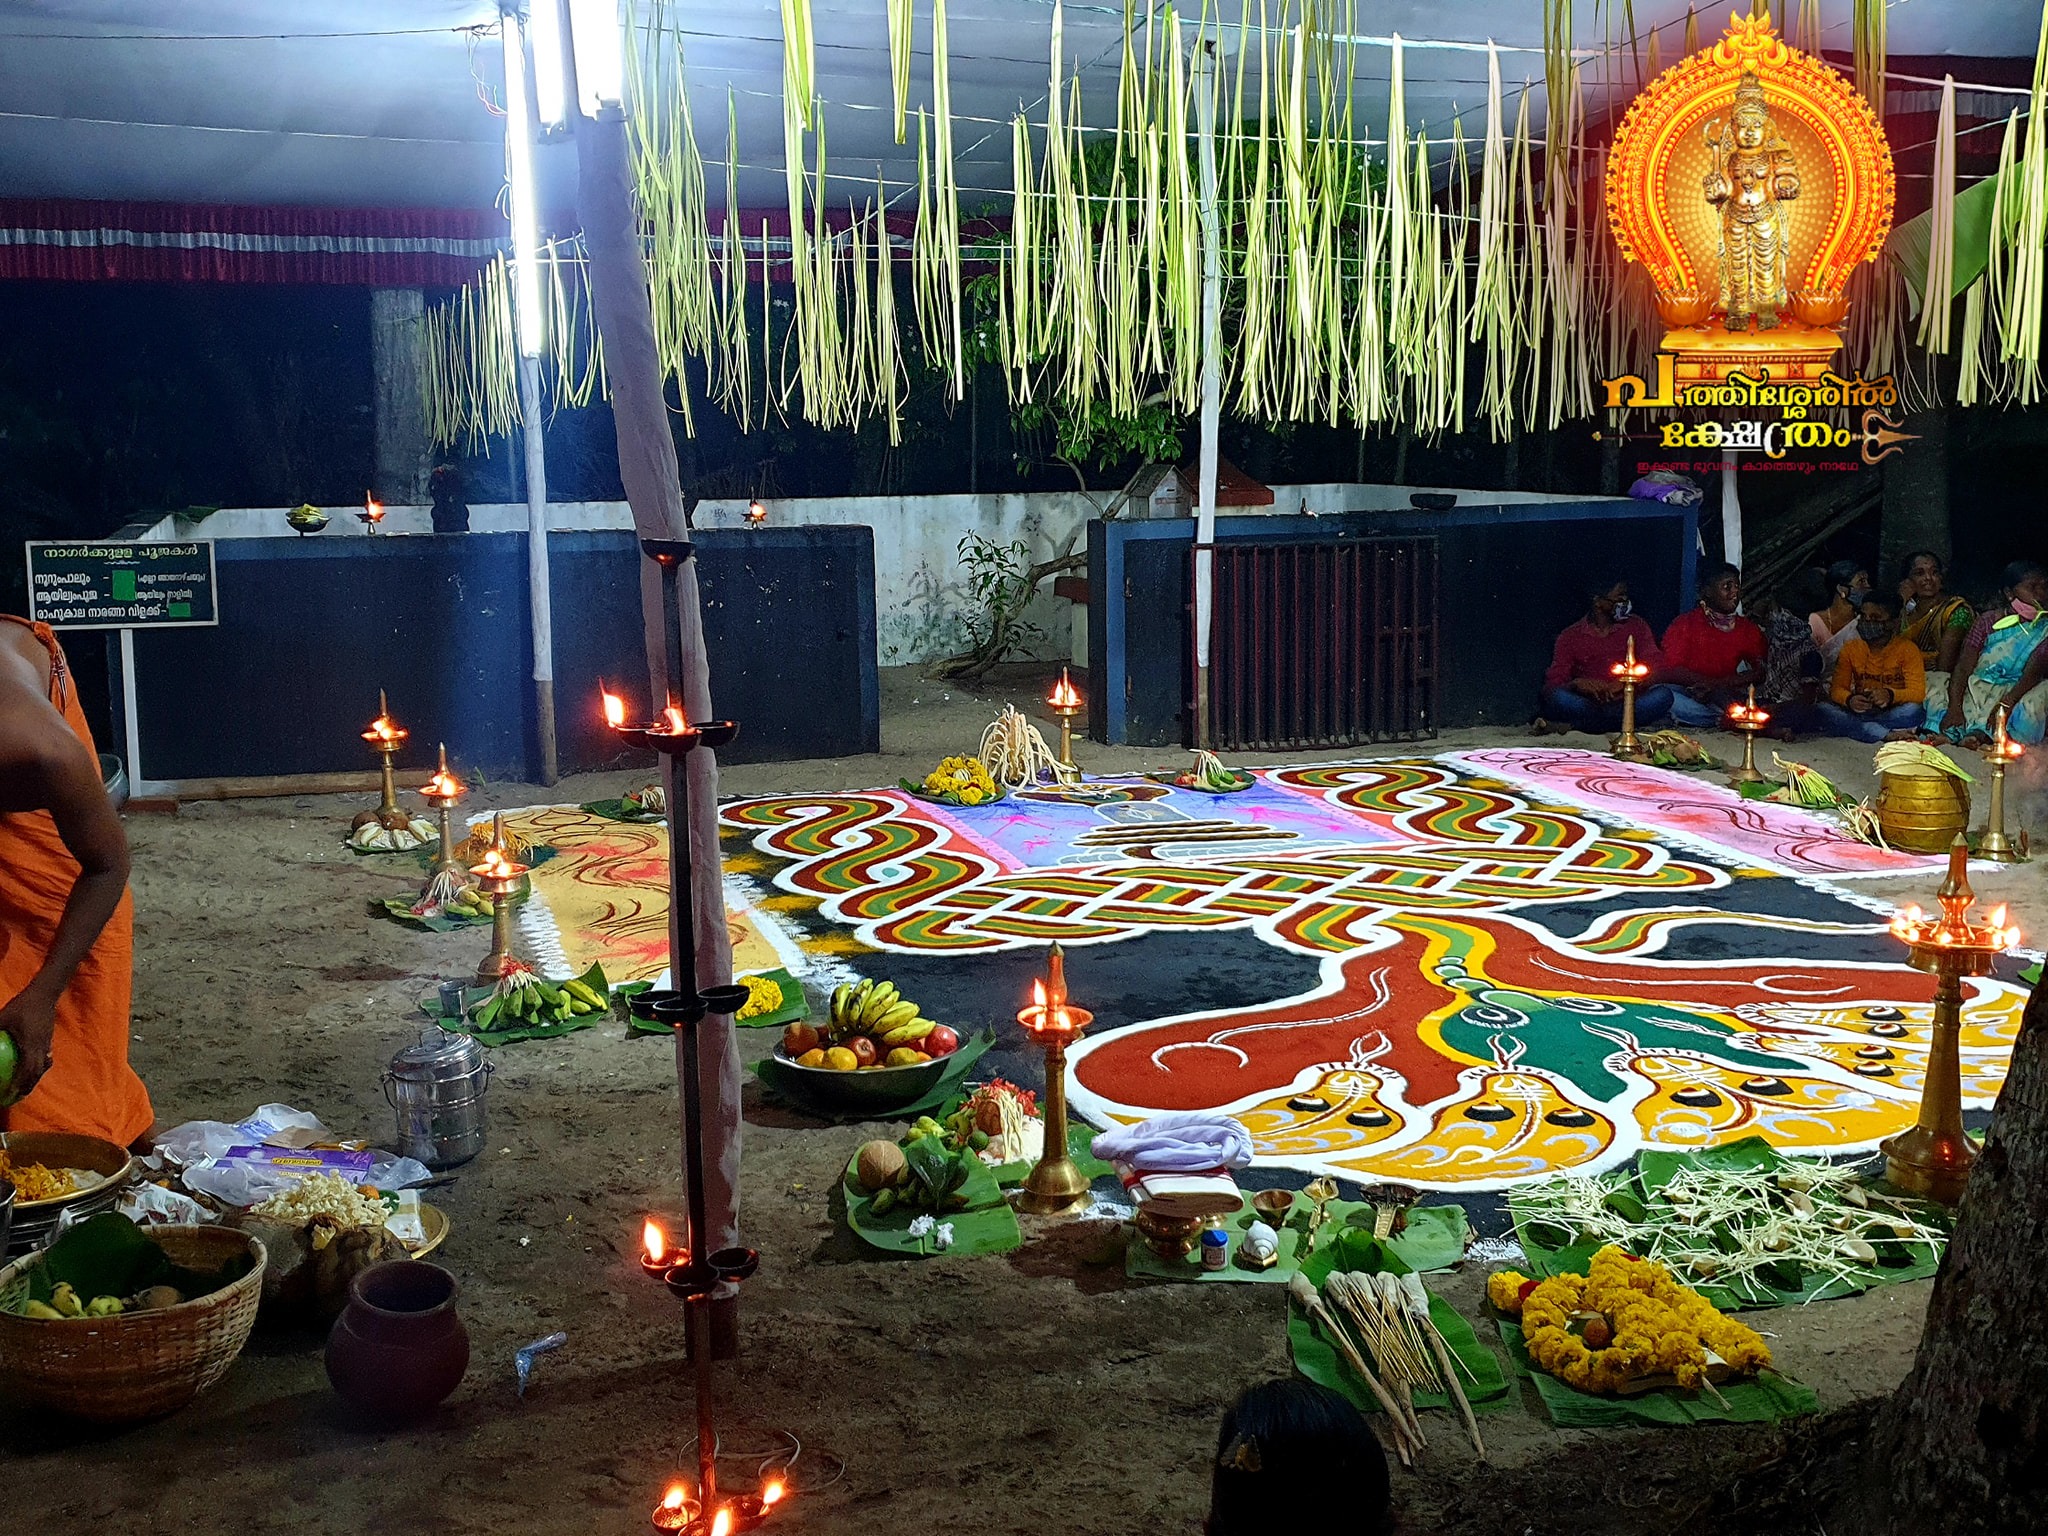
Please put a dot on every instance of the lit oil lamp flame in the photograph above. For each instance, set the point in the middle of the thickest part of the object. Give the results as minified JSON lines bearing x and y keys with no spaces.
{"x":442,"y":787}
{"x":654,"y":1241}
{"x":373,"y":509}
{"x":1630,"y":668}
{"x":495,"y":865}
{"x":675,"y":1496}
{"x":772,"y":1492}
{"x":614,"y":708}
{"x":756,"y":513}
{"x":1064,"y":695}
{"x":673,"y":722}
{"x":721,"y":1523}
{"x":384,"y":730}
{"x":1038,"y":996}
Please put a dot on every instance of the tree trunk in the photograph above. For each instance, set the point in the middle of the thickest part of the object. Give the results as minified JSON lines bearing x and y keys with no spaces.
{"x":1960,"y":1447}
{"x":647,"y":468}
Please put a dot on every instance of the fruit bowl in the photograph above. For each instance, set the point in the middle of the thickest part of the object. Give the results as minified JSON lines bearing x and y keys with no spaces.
{"x":882,"y":1088}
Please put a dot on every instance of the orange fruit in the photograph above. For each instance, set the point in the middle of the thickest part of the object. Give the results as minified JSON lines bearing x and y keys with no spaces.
{"x":840,"y":1059}
{"x":799,"y":1039}
{"x":811,"y":1058}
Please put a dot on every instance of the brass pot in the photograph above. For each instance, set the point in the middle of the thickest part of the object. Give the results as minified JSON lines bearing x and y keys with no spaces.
{"x":1173,"y":1238}
{"x":1922,"y":813}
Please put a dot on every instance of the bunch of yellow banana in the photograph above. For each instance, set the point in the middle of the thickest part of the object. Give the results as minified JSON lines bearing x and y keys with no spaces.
{"x":876,"y":1009}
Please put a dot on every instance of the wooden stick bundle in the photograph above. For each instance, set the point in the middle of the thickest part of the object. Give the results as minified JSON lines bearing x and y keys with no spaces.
{"x":1406,"y":1439}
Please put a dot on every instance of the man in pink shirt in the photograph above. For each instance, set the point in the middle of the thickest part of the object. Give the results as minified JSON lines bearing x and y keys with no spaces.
{"x":1580,"y":690}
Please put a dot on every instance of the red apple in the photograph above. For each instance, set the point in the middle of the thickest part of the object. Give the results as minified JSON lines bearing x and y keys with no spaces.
{"x":940,"y":1042}
{"x":863,"y":1050}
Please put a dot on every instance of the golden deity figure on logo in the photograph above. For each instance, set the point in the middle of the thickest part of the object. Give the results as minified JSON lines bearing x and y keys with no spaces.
{"x":1750,"y":181}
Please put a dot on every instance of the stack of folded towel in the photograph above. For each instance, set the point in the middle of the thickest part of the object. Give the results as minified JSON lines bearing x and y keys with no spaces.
{"x":1178,"y":1165}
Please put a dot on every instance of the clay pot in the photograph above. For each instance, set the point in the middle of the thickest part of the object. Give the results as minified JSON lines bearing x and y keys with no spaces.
{"x":398,"y":1349}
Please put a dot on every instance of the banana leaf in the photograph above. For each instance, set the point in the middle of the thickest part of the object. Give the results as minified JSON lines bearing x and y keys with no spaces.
{"x":794,"y":1007}
{"x":509,"y":1031}
{"x":985,"y":1225}
{"x":1760,"y":1400}
{"x":1434,"y":1239}
{"x":618,"y":810}
{"x":1910,"y":242}
{"x":400,"y":907}
{"x":1357,"y":1251}
{"x":108,"y":1255}
{"x":1787,"y":1284}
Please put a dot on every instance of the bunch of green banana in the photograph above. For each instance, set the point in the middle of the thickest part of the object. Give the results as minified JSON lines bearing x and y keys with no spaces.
{"x":957,"y":1130}
{"x":877,"y":1009}
{"x":527,"y":998}
{"x":468,"y":902}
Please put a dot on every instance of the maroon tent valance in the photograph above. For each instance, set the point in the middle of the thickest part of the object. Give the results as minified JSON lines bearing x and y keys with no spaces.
{"x":73,"y":240}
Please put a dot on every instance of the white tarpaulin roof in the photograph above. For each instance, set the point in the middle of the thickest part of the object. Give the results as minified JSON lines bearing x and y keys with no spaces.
{"x":376,"y":102}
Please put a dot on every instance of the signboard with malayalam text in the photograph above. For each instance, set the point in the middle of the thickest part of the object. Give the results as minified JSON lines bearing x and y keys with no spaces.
{"x":95,"y":584}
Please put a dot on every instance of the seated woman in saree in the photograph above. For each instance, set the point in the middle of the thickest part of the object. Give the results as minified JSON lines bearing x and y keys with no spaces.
{"x":1580,"y":690}
{"x":1832,"y":626}
{"x":1994,"y":661}
{"x":1934,"y":619}
{"x":1879,"y":688}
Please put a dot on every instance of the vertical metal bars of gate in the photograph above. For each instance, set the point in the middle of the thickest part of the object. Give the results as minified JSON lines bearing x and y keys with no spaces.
{"x":1324,"y":644}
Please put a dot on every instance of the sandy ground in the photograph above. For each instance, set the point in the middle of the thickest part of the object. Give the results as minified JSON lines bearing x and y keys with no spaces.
{"x":1041,"y":1391}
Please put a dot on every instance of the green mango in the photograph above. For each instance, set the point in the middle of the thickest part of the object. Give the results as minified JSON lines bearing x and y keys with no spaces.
{"x":9,"y":1060}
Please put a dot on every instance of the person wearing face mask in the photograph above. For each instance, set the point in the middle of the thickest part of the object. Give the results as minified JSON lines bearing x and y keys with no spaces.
{"x":1712,"y":653}
{"x":1994,"y":662}
{"x":2009,"y":668}
{"x":1833,"y":625}
{"x":1880,"y":686}
{"x":1580,"y":690}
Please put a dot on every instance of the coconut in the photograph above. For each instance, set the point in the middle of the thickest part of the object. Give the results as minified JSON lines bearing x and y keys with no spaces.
{"x":879,"y":1165}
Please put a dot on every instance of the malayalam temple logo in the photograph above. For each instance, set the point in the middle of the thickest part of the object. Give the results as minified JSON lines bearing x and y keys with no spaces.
{"x":1750,"y":181}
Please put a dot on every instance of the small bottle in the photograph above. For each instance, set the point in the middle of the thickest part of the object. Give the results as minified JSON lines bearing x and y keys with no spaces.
{"x":1215,"y":1249}
{"x":451,"y":999}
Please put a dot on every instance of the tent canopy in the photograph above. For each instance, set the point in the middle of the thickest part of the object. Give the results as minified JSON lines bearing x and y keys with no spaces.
{"x":376,"y":103}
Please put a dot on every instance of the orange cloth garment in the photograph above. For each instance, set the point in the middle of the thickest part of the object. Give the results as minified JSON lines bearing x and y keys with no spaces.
{"x":90,"y":1089}
{"x":1897,"y":667}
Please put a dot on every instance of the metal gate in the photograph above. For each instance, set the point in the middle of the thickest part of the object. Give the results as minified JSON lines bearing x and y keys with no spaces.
{"x":1324,"y":644}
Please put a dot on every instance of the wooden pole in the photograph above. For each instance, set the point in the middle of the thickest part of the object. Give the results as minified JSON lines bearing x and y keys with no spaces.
{"x":1212,"y":379}
{"x":617,"y":271}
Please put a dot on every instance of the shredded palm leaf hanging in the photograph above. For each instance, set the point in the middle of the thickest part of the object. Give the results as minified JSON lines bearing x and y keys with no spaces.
{"x":1935,"y":302}
{"x":1867,"y":25}
{"x":1493,"y":318}
{"x":888,"y":364}
{"x":2030,"y":237}
{"x":1807,"y":31}
{"x":799,"y":61}
{"x":900,"y":15}
{"x":735,"y":374}
{"x":947,"y":201}
{"x":1557,"y":79}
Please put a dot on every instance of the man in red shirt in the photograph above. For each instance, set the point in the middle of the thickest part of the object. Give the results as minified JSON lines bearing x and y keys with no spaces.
{"x":1712,"y":653}
{"x":1580,"y":690}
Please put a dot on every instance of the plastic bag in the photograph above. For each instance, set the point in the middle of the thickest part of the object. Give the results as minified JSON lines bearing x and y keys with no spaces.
{"x":236,"y":1182}
{"x":199,"y":1139}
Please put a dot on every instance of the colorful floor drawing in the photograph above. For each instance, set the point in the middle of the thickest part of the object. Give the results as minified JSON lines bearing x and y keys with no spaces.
{"x":603,"y":899}
{"x":1479,"y":980}
{"x":1692,"y":811}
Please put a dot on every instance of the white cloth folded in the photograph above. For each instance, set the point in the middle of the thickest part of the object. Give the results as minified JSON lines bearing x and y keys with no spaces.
{"x":1186,"y":1141}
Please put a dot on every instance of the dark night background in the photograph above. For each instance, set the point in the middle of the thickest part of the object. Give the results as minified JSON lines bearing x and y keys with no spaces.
{"x":122,"y":401}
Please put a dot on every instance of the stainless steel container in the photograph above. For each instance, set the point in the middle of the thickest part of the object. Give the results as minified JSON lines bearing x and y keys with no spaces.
{"x":437,"y":1087}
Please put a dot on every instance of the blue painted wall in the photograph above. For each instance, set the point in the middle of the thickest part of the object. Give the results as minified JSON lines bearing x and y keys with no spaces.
{"x":309,"y":631}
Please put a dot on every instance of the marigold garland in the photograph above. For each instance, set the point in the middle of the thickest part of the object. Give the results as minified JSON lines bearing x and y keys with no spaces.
{"x":964,"y":779}
{"x":1655,"y":1326}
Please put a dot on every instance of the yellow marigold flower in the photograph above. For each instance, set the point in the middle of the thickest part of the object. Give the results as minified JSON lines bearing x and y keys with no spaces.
{"x":1504,"y":1290}
{"x":970,"y":796}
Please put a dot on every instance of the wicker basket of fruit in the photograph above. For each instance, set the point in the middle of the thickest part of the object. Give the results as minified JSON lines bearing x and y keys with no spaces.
{"x":130,"y":1354}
